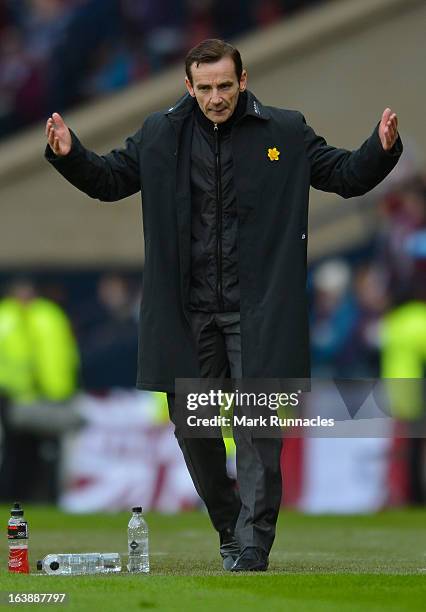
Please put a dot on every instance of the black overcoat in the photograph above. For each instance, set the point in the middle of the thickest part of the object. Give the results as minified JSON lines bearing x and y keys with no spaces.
{"x":272,"y":190}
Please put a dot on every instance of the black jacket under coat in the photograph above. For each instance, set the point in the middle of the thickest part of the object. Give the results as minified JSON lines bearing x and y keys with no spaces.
{"x":215,"y":283}
{"x":272,"y":202}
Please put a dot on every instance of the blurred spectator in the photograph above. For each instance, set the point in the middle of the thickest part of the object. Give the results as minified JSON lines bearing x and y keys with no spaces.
{"x":22,"y":91}
{"x":403,"y":214}
{"x":38,"y":364}
{"x":44,"y":24}
{"x":112,"y":68}
{"x":164,"y":32}
{"x":91,"y":23}
{"x":109,"y":338}
{"x":333,"y":317}
{"x":39,"y":354}
{"x":362,"y":355}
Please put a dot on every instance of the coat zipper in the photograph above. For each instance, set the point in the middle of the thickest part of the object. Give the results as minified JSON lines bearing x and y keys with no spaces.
{"x":219,"y":205}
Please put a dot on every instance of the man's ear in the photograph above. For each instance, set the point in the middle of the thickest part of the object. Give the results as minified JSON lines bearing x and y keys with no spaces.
{"x":243,"y":80}
{"x":189,"y":87}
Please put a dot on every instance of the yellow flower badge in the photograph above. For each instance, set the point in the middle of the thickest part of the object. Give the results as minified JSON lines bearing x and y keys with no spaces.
{"x":274,"y":154}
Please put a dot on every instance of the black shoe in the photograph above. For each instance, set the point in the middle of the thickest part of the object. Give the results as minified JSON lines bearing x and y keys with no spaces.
{"x":252,"y":559}
{"x":229,"y":548}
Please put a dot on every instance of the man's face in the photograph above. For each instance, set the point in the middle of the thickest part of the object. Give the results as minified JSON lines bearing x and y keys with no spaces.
{"x":216,"y":88}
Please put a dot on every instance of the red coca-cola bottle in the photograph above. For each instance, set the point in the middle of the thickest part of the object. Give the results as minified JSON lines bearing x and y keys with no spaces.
{"x":17,"y":534}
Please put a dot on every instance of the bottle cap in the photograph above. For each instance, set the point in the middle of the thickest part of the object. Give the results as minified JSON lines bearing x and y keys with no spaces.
{"x":16,"y":510}
{"x":39,"y":565}
{"x":137,"y":509}
{"x":54,"y":565}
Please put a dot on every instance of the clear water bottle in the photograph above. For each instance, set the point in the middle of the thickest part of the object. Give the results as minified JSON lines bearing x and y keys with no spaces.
{"x":17,"y":537}
{"x":80,"y":563}
{"x":137,"y":538}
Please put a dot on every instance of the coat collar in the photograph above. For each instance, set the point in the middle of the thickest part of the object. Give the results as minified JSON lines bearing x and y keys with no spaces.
{"x":255,"y":108}
{"x":185,"y":106}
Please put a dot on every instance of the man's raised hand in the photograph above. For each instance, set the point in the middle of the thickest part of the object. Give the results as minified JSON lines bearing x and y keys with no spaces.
{"x":388,"y":129}
{"x":58,"y":135}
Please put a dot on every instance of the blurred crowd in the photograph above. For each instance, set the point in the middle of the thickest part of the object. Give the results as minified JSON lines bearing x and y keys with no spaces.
{"x":57,"y":53}
{"x":354,"y":297}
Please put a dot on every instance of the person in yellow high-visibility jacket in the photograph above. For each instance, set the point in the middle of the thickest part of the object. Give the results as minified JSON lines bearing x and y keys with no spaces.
{"x":403,"y":365}
{"x":404,"y":357}
{"x":38,"y":363}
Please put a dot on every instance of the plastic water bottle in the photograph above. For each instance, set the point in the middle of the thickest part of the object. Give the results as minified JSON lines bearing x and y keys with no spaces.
{"x":137,"y":538}
{"x":80,"y":563}
{"x":17,"y":536}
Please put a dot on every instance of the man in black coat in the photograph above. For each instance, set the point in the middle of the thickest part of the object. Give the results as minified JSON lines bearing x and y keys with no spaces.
{"x":225,"y":184}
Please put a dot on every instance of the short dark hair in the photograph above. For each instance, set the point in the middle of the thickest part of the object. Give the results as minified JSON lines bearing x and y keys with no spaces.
{"x":210,"y":51}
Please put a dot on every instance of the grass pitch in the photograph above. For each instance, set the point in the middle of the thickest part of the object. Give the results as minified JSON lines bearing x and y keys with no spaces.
{"x":326,"y":563}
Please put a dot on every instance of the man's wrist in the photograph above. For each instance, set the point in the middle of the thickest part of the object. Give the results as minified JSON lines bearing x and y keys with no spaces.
{"x":396,"y":148}
{"x":394,"y":151}
{"x":72,"y":153}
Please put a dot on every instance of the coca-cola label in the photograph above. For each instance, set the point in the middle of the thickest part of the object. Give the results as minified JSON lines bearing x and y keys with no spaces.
{"x":18,"y":560}
{"x":19,"y":531}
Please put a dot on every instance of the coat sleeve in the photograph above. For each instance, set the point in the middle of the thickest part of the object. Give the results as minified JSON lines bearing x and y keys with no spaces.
{"x":108,"y":177}
{"x":349,"y":173}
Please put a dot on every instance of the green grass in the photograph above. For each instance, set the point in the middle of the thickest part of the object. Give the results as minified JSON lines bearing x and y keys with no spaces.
{"x":326,"y":563}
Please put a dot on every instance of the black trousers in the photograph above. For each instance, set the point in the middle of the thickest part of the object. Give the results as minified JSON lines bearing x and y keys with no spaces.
{"x":252,"y":510}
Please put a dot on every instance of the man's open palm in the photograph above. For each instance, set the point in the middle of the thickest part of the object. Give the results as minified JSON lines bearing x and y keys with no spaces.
{"x":388,"y":129}
{"x":58,"y":135}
